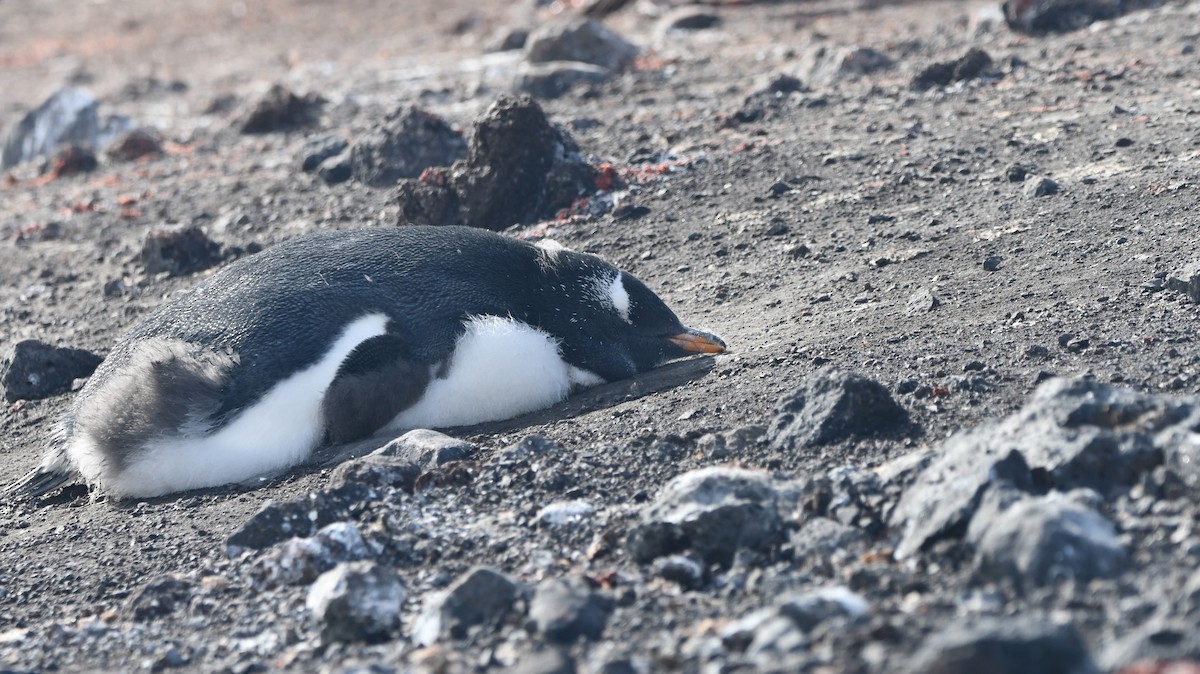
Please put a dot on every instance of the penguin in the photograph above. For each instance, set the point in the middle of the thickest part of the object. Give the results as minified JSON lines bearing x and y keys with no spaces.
{"x":335,"y":337}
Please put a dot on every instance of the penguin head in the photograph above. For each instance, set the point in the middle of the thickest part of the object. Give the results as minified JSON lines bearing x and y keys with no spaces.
{"x":607,"y":321}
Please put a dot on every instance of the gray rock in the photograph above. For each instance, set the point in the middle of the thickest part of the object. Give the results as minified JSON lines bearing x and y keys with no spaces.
{"x":775,"y":638}
{"x":160,"y":597}
{"x":545,"y":661}
{"x":70,"y":115}
{"x":482,"y":598}
{"x":850,"y":495}
{"x":279,"y":109}
{"x":178,"y":250}
{"x":357,"y":601}
{"x":1056,"y":16}
{"x":1186,"y":280}
{"x":921,"y":302}
{"x":581,"y":39}
{"x":277,"y":522}
{"x":32,"y":369}
{"x":1072,"y":432}
{"x":1041,"y":187}
{"x":975,"y":63}
{"x":809,"y":609}
{"x":1045,"y":541}
{"x":336,"y":169}
{"x":319,"y":148}
{"x":378,"y":472}
{"x":300,"y":560}
{"x":565,"y":513}
{"x":826,"y":65}
{"x":733,"y":442}
{"x":1015,"y":645}
{"x":688,"y":17}
{"x":409,"y":141}
{"x":683,"y":570}
{"x":135,"y":144}
{"x":822,"y":537}
{"x":712,"y":511}
{"x":555,"y":78}
{"x":428,"y":449}
{"x":831,"y":405}
{"x":1158,"y":641}
{"x":567,"y":609}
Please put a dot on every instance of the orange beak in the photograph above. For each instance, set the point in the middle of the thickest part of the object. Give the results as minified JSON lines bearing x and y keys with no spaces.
{"x":695,"y":341}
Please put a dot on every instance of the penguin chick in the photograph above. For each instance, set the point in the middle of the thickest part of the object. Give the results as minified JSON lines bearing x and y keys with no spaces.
{"x":334,"y":337}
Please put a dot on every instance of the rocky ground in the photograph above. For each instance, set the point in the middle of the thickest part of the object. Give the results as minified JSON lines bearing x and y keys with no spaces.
{"x":956,"y":429}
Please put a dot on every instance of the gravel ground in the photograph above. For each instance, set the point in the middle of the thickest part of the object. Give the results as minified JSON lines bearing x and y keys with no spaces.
{"x":955,"y":430}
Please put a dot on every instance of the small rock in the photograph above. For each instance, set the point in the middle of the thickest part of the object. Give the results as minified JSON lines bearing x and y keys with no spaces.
{"x":774,"y":640}
{"x":1041,"y":187}
{"x":136,"y":144}
{"x":319,"y":148}
{"x":1037,"y":351}
{"x":831,"y":405}
{"x":300,"y":560}
{"x":482,"y":597}
{"x":992,"y":262}
{"x":555,"y":78}
{"x":681,"y":570}
{"x":178,"y":250}
{"x":409,"y":141}
{"x":33,"y":370}
{"x":277,"y":522}
{"x":544,"y":661}
{"x":70,"y":115}
{"x":564,"y":513}
{"x":1015,"y":645}
{"x":509,"y":38}
{"x":688,"y":17}
{"x":336,"y":169}
{"x":160,"y":597}
{"x":1046,"y":541}
{"x":921,"y":302}
{"x":1015,"y":173}
{"x":580,"y":39}
{"x":71,"y":159}
{"x":1186,"y":280}
{"x":428,"y":449}
{"x":783,"y":83}
{"x":850,"y":495}
{"x":714,"y":512}
{"x":567,"y":609}
{"x":1057,"y":16}
{"x":975,"y":63}
{"x":378,"y":472}
{"x":829,"y":66}
{"x":809,"y":609}
{"x":279,"y":109}
{"x":357,"y":601}
{"x":822,"y":538}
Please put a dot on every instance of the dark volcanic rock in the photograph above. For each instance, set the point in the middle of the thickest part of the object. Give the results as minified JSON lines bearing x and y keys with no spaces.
{"x":136,"y":144}
{"x":1071,"y":433}
{"x":569,"y":608}
{"x":1159,"y":641}
{"x":279,"y":109}
{"x":319,"y":148}
{"x":553,"y":79}
{"x":1046,"y":541}
{"x":519,"y":169}
{"x":357,"y":601}
{"x":831,"y":405}
{"x":32,"y":369}
{"x":975,"y":63}
{"x":1041,"y":187}
{"x":544,"y":661}
{"x":178,"y":250}
{"x":427,"y":449}
{"x":584,"y":40}
{"x":409,"y":141}
{"x":482,"y":597}
{"x":277,"y":522}
{"x":714,"y":512}
{"x":1004,"y":646}
{"x":1186,"y":280}
{"x":823,"y":538}
{"x":160,"y":597}
{"x":71,"y":159}
{"x":1057,"y":16}
{"x":301,"y":560}
{"x":378,"y":472}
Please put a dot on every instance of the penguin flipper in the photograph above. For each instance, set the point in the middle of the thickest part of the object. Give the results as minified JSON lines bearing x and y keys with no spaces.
{"x":374,"y":383}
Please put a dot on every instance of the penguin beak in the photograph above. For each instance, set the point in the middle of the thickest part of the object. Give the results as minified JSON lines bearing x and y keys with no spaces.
{"x":697,"y":341}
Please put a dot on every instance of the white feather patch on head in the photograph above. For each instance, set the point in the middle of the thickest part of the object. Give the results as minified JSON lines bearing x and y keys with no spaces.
{"x":619,"y":297}
{"x":551,"y":246}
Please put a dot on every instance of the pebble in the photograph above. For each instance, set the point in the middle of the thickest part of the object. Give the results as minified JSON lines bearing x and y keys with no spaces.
{"x":160,"y":597}
{"x":428,"y":449}
{"x":556,"y":78}
{"x":831,"y":405}
{"x":688,"y":17}
{"x":823,"y":538}
{"x":992,"y":262}
{"x":1046,"y":541}
{"x":565,"y":513}
{"x":357,"y":601}
{"x":178,"y":250}
{"x":336,"y":169}
{"x":69,"y":115}
{"x":319,"y":148}
{"x":1186,"y":280}
{"x":826,"y":65}
{"x":32,"y":369}
{"x":1041,"y":187}
{"x":921,"y":302}
{"x":580,"y":39}
{"x":300,"y":560}
{"x":136,"y":144}
{"x":713,"y":512}
{"x":378,"y":472}
{"x":279,"y":109}
{"x":1013,"y":645}
{"x":544,"y":661}
{"x":482,"y":597}
{"x":277,"y":522}
{"x":1161,"y":640}
{"x":567,"y":609}
{"x":1058,"y":16}
{"x":975,"y":63}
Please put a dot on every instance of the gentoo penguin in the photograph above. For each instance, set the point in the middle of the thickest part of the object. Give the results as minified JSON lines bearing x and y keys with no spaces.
{"x":331,"y":338}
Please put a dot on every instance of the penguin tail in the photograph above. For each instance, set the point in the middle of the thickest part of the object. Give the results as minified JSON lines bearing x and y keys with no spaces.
{"x":53,"y":472}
